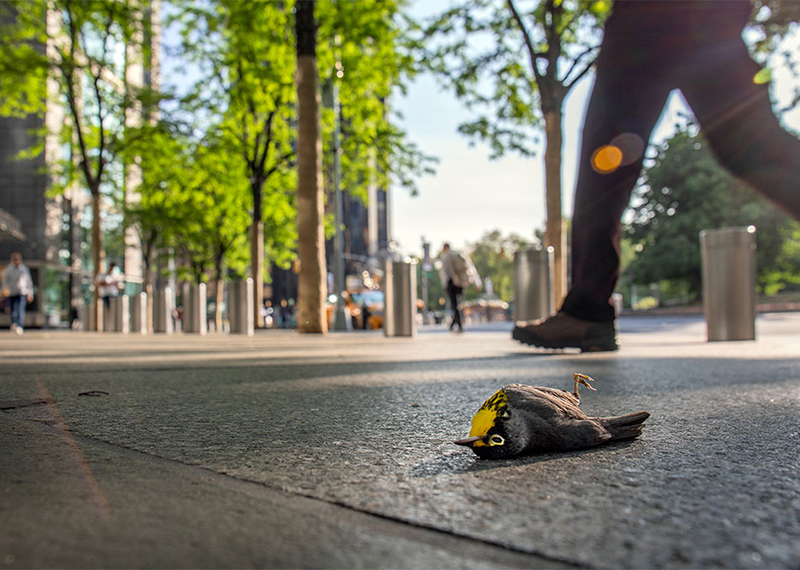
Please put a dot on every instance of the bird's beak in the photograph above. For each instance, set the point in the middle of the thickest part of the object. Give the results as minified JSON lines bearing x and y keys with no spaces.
{"x":468,"y":441}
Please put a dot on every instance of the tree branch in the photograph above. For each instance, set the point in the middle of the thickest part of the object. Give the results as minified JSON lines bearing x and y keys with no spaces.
{"x":580,"y":75}
{"x":72,"y":100}
{"x":576,"y":60}
{"x":262,"y":161}
{"x":281,"y":159}
{"x":553,"y":37}
{"x":532,"y":54}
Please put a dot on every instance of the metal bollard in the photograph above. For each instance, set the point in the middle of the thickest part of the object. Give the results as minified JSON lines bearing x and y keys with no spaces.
{"x":138,"y":313}
{"x":162,"y":311}
{"x":118,"y":318}
{"x":533,"y":293}
{"x":729,"y":283}
{"x":95,"y":309}
{"x":240,"y":307}
{"x":85,"y":316}
{"x":109,"y":315}
{"x":400,"y":298}
{"x":195,"y":314}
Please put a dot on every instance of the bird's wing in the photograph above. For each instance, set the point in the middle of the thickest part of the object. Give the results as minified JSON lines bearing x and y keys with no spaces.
{"x":548,"y":403}
{"x":560,"y":423}
{"x":560,"y":394}
{"x":578,"y":434}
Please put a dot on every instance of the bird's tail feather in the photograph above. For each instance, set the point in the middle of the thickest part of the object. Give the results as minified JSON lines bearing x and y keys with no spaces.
{"x":625,"y":427}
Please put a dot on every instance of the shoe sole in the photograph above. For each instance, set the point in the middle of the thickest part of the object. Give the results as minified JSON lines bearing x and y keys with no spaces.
{"x":597,"y":344}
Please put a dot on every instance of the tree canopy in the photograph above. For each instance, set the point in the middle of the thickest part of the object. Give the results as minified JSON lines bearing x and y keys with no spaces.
{"x":685,"y":191}
{"x":493,"y":256}
{"x":513,"y":64}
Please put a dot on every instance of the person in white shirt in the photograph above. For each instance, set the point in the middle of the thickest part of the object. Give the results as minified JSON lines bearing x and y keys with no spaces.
{"x":18,"y":289}
{"x":108,"y":285}
{"x":456,"y":273}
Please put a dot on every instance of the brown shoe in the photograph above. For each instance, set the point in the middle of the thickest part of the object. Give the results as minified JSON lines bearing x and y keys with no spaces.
{"x":565,"y":331}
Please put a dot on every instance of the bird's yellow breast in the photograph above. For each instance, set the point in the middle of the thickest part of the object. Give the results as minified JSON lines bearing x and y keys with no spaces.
{"x":485,"y":419}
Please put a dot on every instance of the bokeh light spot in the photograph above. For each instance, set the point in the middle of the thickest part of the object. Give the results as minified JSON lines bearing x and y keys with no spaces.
{"x":631,"y":145}
{"x":602,"y":6}
{"x":763,"y":76}
{"x":606,"y":159}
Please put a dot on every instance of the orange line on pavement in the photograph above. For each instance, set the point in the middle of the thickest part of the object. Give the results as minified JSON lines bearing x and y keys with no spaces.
{"x":62,"y":425}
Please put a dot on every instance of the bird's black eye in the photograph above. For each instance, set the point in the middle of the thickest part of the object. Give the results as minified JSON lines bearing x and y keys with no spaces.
{"x":496,"y":440}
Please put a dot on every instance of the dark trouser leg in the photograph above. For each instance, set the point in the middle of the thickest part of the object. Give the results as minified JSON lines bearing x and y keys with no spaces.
{"x":454,"y":293}
{"x":650,"y":48}
{"x":18,"y":310}
{"x":23,"y":306}
{"x":626,"y":101}
{"x":13,"y":301}
{"x":736,"y":117}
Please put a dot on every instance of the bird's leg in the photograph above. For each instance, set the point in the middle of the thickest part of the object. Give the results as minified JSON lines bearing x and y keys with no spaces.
{"x":582,"y":379}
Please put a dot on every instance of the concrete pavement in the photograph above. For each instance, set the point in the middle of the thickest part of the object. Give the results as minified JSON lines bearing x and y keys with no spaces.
{"x":284,"y":450}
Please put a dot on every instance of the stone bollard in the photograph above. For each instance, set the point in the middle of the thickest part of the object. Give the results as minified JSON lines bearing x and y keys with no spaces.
{"x":138,"y":313}
{"x":729,"y":283}
{"x":400,"y":298}
{"x":240,"y":307}
{"x":533,"y":292}
{"x":108,"y":315}
{"x":195,"y":314}
{"x":162,"y":311}
{"x":118,"y":317}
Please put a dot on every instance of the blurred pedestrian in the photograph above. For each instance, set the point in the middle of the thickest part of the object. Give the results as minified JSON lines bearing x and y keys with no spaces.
{"x":457,"y":272}
{"x":18,"y":289}
{"x":109,"y":284}
{"x":650,"y":48}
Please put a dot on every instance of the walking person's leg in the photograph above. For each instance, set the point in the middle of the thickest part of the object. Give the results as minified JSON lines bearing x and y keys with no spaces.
{"x":632,"y":85}
{"x":23,"y":302}
{"x":13,"y":302}
{"x":17,"y":311}
{"x":736,"y":117}
{"x":458,"y":293}
{"x":452,"y":294}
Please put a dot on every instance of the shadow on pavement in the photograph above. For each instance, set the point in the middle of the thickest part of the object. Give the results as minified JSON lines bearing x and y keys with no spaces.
{"x":463,"y":461}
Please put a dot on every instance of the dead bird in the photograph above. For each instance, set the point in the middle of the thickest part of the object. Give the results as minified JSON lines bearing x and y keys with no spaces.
{"x":520,"y":419}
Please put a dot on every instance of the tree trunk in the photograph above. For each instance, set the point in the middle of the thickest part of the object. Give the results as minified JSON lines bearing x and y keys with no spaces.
{"x":149,"y":290}
{"x":218,"y":296}
{"x":257,"y":261}
{"x":554,"y":235}
{"x":73,"y":241}
{"x":311,"y":239}
{"x":97,"y":257}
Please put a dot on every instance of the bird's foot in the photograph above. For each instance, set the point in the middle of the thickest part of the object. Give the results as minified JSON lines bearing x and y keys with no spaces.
{"x":582,"y":379}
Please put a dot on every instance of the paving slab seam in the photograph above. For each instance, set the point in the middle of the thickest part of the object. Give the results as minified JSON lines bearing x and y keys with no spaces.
{"x":508,"y":547}
{"x":231,"y":478}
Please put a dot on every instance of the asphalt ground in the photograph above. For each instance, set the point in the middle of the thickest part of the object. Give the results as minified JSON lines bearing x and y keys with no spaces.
{"x":287,"y":450}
